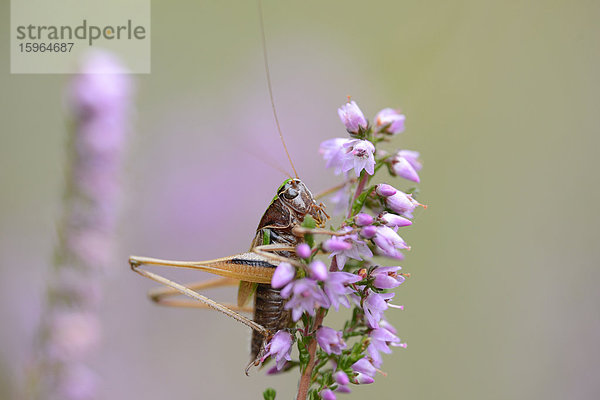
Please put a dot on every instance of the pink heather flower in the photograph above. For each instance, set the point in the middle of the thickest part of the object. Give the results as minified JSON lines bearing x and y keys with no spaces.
{"x":404,"y":168}
{"x":363,"y":219}
{"x":337,"y":243}
{"x":357,"y":251}
{"x":363,"y":379}
{"x":389,"y":243}
{"x":330,"y":340}
{"x":279,"y":347}
{"x":374,"y":306}
{"x":306,"y":296}
{"x":318,"y":270}
{"x":401,"y":167}
{"x":78,"y":383}
{"x":402,"y":203}
{"x":391,"y":119}
{"x":284,"y":273}
{"x":336,"y":288}
{"x":103,"y":85}
{"x":380,"y":338}
{"x":303,"y":250}
{"x":334,"y":153}
{"x":341,"y":378}
{"x":98,"y":100}
{"x":327,"y":394}
{"x":74,"y":335}
{"x":368,"y":232}
{"x":359,"y":156}
{"x":412,"y":157}
{"x":393,"y":220}
{"x":387,"y":277}
{"x":364,"y":366}
{"x":343,"y":389}
{"x":385,"y":190}
{"x":352,"y":117}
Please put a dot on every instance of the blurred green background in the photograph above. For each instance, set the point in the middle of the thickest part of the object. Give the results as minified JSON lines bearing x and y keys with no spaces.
{"x":502,"y":102}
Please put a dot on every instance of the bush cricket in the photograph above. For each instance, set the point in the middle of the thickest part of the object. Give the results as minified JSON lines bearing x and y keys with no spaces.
{"x":277,"y":235}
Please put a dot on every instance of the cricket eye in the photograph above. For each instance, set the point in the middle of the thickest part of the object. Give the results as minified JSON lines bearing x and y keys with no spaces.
{"x":290,"y":194}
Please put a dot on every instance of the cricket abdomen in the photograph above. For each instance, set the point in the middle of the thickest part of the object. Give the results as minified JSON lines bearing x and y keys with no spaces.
{"x":269,"y":312}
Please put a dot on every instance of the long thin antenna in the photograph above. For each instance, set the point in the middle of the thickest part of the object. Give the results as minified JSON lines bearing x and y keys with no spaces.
{"x":266,"y":59}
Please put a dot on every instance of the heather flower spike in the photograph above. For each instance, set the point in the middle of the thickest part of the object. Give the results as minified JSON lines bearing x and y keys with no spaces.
{"x":99,"y":102}
{"x":373,"y":214}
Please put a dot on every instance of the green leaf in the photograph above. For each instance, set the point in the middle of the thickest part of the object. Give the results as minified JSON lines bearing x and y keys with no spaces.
{"x":313,"y":395}
{"x":360,"y":201}
{"x":303,"y":352}
{"x":310,"y":240}
{"x":266,"y":237}
{"x":309,"y":222}
{"x":414,"y":191}
{"x":269,"y":394}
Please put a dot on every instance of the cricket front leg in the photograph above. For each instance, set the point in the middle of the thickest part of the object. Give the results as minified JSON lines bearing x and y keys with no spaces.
{"x":267,"y":251}
{"x":301,"y":231}
{"x":136,"y":264}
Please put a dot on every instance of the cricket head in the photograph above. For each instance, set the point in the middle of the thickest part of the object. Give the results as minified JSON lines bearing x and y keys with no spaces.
{"x":295,"y":194}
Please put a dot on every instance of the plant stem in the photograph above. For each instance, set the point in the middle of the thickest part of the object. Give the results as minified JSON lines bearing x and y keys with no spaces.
{"x":306,"y":378}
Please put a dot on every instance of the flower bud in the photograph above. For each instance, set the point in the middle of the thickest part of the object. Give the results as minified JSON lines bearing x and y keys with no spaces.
{"x":341,"y":378}
{"x":363,"y":219}
{"x":363,"y":379}
{"x":284,"y":273}
{"x":318,"y":270}
{"x":401,"y":167}
{"x":393,"y":220}
{"x":368,"y":231}
{"x":352,"y":117}
{"x":327,"y":394}
{"x":303,"y":250}
{"x":385,"y":190}
{"x":391,"y":119}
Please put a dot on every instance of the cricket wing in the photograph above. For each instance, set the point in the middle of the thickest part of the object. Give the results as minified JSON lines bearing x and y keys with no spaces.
{"x":249,"y":267}
{"x":245,"y":292}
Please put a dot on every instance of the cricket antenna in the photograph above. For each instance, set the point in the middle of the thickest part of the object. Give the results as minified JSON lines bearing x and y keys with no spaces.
{"x":266,"y":59}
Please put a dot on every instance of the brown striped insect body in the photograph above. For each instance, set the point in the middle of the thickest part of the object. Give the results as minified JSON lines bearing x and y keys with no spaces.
{"x":289,"y":207}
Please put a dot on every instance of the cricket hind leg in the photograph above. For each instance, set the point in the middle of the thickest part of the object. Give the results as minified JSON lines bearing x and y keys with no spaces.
{"x":136,"y":266}
{"x":163,"y":295}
